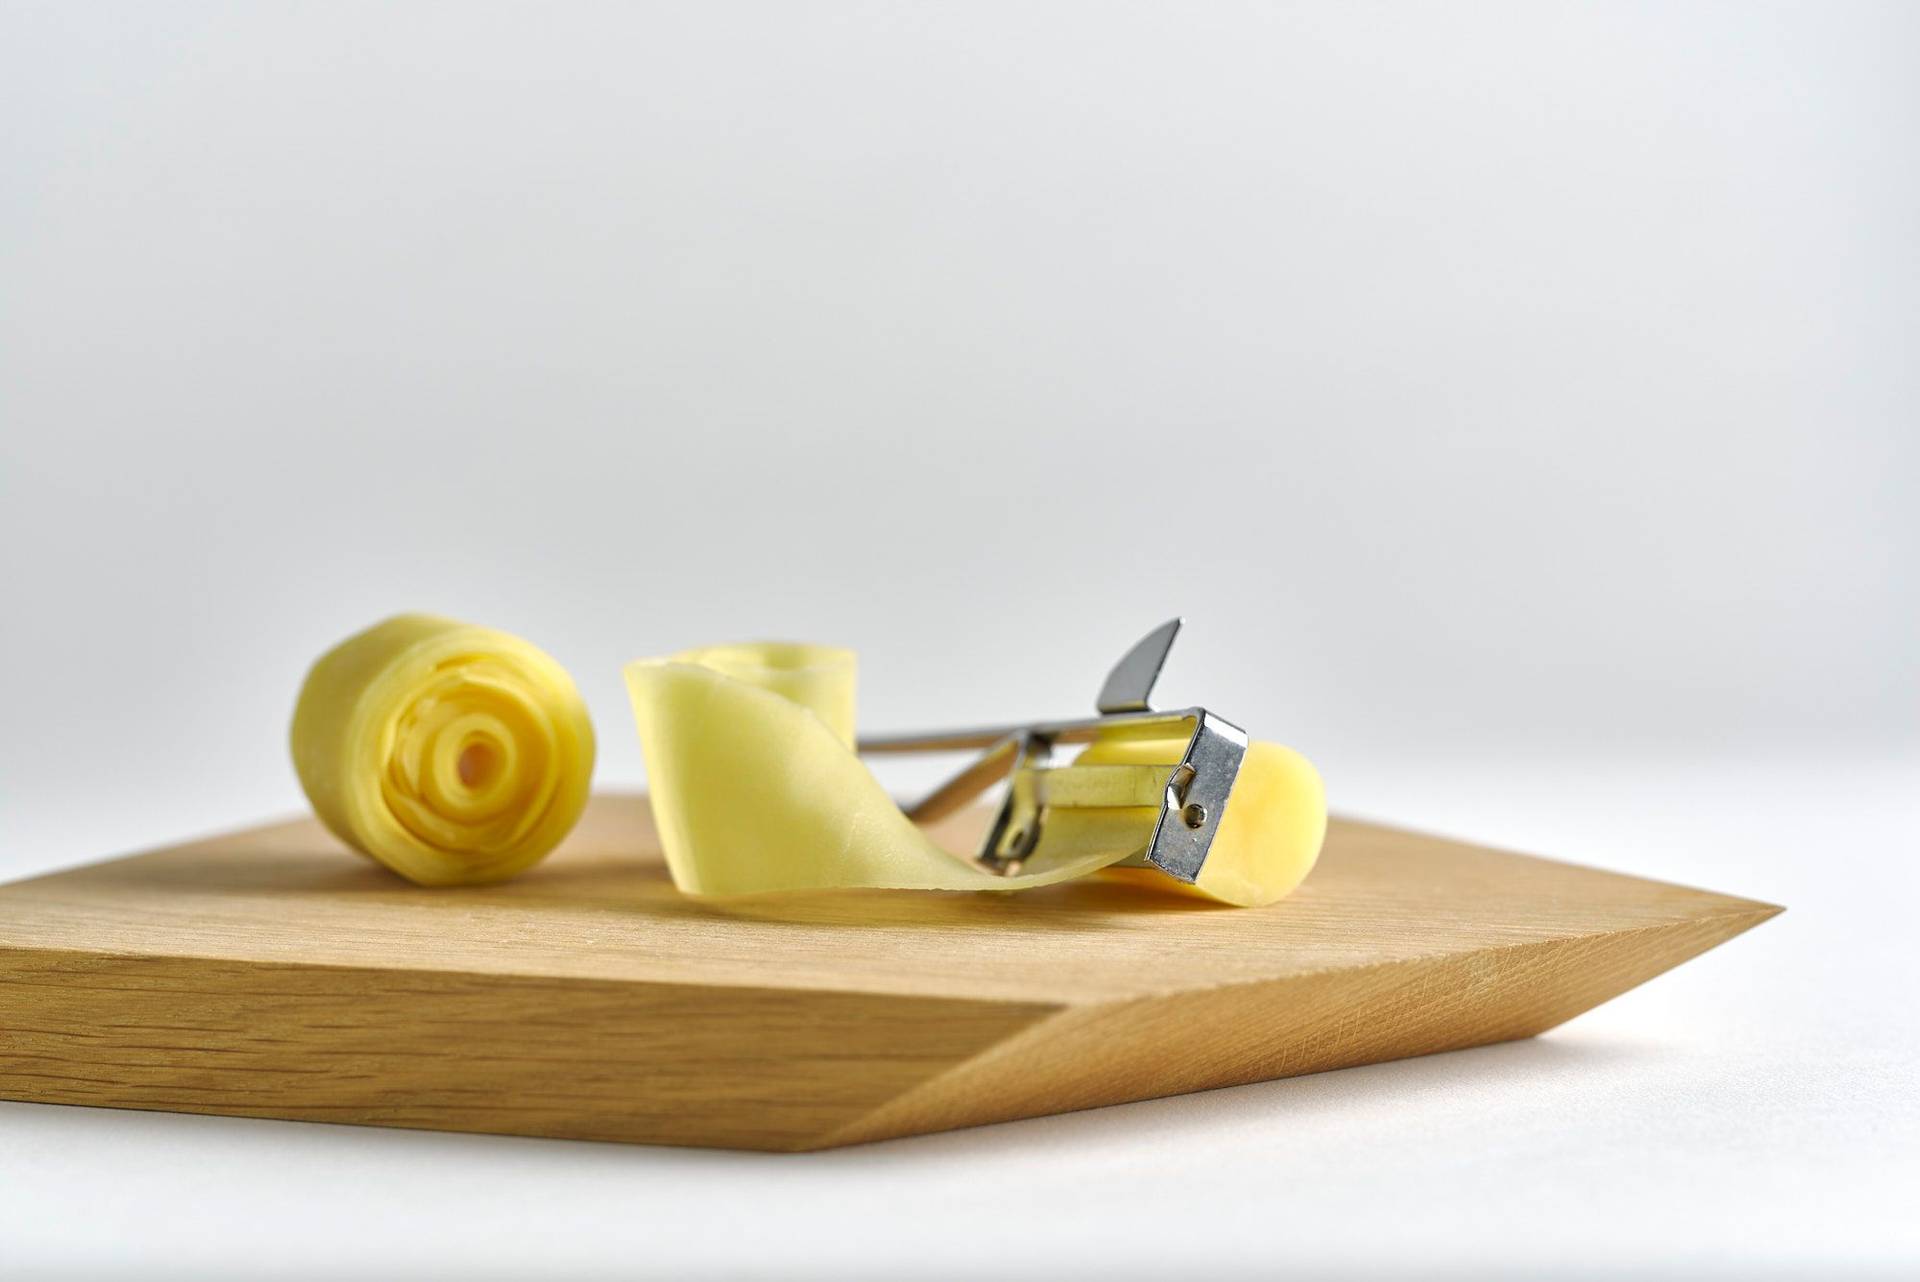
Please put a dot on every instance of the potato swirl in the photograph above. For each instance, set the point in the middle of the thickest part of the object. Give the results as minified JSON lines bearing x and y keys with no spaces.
{"x":756,"y":787}
{"x":448,"y":752}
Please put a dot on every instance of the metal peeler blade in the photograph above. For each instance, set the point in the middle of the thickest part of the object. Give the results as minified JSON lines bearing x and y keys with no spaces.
{"x":1185,"y":799}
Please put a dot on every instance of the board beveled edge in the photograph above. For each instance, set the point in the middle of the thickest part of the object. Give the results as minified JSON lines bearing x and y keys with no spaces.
{"x":1136,"y":1049}
{"x":842,"y":1082}
{"x":620,"y":1060}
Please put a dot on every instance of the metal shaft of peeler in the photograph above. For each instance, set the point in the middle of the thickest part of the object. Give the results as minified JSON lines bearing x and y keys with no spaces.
{"x":1078,"y":730}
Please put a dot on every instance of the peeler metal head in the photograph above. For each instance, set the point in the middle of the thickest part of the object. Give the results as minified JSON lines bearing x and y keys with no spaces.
{"x":1168,"y":812}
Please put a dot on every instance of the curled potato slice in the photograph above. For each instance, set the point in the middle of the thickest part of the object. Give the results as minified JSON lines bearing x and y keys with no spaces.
{"x":756,"y":787}
{"x":448,"y":752}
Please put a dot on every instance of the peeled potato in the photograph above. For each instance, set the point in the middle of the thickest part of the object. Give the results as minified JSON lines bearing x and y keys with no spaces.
{"x":756,"y":787}
{"x":450,"y":753}
{"x":1271,"y":834}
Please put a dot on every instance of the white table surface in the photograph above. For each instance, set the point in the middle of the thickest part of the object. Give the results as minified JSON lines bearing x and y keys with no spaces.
{"x":1751,"y":1114}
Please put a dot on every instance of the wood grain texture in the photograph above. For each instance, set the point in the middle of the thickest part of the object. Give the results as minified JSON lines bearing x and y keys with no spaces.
{"x":270,"y":973}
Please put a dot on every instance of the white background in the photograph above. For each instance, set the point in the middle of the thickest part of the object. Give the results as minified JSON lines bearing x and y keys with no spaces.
{"x":1519,"y":400}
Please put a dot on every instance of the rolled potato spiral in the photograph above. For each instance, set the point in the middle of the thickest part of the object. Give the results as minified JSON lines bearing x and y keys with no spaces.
{"x":450,"y":753}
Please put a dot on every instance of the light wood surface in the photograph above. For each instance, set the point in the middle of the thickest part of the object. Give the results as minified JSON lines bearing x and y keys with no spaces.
{"x":271,"y":973}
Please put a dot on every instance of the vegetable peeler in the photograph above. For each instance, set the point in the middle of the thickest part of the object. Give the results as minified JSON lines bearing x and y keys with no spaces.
{"x":1187,"y":798}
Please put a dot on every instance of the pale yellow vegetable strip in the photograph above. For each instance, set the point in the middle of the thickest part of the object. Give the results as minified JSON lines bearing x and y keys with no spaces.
{"x":821,"y":678}
{"x":448,"y":752}
{"x":755,"y":791}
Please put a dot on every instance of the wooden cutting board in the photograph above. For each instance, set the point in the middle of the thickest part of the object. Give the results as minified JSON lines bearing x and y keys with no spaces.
{"x":271,"y":973}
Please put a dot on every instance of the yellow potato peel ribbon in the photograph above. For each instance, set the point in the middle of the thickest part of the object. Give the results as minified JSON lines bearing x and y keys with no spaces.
{"x":756,"y":787}
{"x":450,"y":753}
